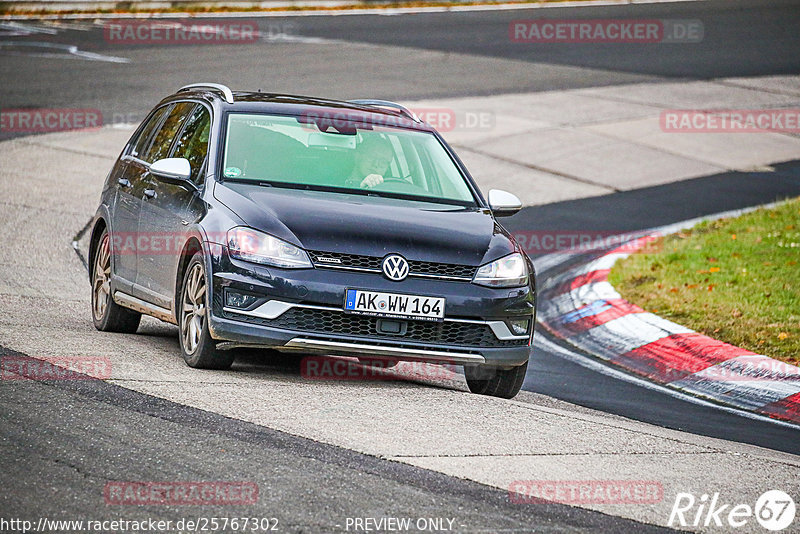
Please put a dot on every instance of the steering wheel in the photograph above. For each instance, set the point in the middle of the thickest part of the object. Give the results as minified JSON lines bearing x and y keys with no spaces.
{"x":390,"y":185}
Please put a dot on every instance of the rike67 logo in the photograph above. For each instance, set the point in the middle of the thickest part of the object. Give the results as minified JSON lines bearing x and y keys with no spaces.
{"x":774,"y":510}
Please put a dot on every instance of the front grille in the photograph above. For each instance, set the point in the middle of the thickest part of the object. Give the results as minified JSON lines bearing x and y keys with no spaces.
{"x":449,"y":270}
{"x":418,"y":268}
{"x":334,"y":322}
{"x":345,"y":260}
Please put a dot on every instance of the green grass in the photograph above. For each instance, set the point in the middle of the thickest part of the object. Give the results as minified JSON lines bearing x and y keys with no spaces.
{"x":736,"y":280}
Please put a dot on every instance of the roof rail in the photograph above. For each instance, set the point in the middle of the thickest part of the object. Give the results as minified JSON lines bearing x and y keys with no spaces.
{"x":388,"y":104}
{"x":224,"y":89}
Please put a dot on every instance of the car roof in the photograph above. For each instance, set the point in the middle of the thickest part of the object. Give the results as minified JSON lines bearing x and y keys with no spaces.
{"x":369,"y":111}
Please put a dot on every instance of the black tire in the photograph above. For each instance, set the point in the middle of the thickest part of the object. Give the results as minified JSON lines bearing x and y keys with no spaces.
{"x":503,"y":383}
{"x":199,"y":350}
{"x":107,"y":315}
{"x":384,"y":363}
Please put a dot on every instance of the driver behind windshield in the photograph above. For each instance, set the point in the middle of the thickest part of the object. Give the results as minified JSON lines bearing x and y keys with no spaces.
{"x":372,"y":160}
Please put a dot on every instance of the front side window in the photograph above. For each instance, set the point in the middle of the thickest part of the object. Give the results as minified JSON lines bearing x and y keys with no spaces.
{"x":163,"y":139}
{"x":351,"y":157}
{"x":142,"y":142}
{"x":192,"y":143}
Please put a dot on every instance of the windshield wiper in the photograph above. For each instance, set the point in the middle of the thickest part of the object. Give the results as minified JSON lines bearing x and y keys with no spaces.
{"x":251,"y":181}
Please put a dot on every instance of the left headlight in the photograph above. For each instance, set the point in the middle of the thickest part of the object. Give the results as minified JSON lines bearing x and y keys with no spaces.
{"x":509,"y":271}
{"x":251,"y":245}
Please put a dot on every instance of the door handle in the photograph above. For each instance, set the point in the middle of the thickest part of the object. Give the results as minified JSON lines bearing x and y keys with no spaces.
{"x":150,"y":193}
{"x":124,"y":182}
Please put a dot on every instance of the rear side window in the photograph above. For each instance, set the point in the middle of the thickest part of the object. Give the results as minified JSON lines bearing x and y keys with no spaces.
{"x":142,"y":143}
{"x":163,"y":139}
{"x":192,"y":143}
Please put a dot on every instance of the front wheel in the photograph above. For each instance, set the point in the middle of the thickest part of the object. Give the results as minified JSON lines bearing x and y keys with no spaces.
{"x":495,"y":382}
{"x":198,"y":348}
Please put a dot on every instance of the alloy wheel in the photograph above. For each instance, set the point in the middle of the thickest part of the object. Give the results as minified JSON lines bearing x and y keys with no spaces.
{"x":193,"y":309}
{"x":102,"y":275}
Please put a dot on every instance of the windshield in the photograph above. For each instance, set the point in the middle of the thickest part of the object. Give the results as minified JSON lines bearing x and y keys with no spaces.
{"x":369,"y":159}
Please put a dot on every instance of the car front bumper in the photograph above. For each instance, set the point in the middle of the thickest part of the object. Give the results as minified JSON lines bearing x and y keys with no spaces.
{"x":302,"y":310}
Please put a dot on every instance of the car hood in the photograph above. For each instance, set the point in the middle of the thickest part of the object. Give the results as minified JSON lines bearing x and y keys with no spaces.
{"x":370,"y":226}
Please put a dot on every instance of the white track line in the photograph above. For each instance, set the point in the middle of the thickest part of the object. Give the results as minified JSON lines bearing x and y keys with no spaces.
{"x":13,"y":29}
{"x":66,"y":51}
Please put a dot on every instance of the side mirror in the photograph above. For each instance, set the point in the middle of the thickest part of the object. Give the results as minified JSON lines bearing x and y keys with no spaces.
{"x":173,"y":171}
{"x":503,"y":203}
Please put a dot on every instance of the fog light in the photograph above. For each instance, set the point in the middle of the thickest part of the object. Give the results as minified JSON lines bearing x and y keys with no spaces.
{"x":519,"y":326}
{"x":238,"y":300}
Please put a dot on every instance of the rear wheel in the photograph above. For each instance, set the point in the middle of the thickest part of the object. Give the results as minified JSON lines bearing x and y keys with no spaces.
{"x":198,"y":348}
{"x":107,"y":315}
{"x":495,"y":382}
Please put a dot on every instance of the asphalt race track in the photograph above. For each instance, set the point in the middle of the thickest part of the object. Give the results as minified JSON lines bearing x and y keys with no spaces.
{"x":314,"y":485}
{"x":453,"y":55}
{"x":311,"y":487}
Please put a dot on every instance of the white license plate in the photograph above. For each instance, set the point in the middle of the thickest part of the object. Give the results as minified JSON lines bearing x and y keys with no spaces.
{"x":394,"y":305}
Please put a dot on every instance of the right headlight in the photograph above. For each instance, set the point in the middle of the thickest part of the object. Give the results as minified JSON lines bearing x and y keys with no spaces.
{"x":251,"y":245}
{"x":508,"y":271}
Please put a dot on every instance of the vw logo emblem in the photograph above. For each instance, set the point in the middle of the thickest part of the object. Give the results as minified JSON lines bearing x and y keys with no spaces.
{"x":395,"y":267}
